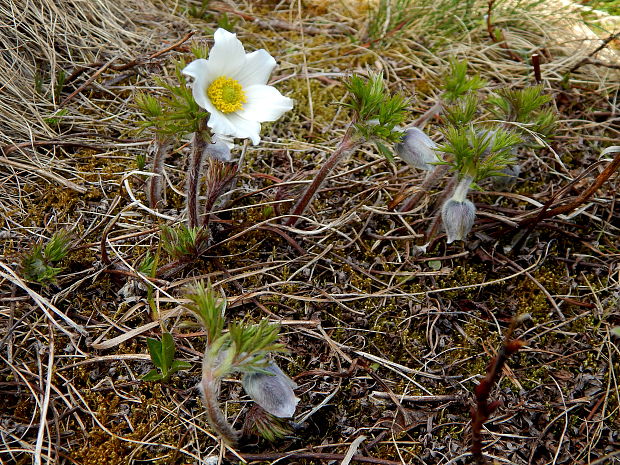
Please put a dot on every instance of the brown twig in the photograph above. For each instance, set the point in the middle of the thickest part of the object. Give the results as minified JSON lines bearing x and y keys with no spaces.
{"x":286,"y":237}
{"x":433,"y":176}
{"x":498,"y":38}
{"x":159,"y":150}
{"x":87,"y":82}
{"x":483,"y":410}
{"x":132,"y":63}
{"x":547,"y":212}
{"x":219,"y":175}
{"x":586,"y":60}
{"x":590,"y":61}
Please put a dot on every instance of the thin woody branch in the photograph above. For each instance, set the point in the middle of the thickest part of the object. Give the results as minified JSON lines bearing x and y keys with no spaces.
{"x":484,"y":409}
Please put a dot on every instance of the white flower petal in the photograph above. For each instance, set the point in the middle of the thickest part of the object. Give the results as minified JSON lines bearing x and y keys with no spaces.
{"x":246,"y":127}
{"x":196,"y":68}
{"x":221,"y":124}
{"x":200,"y":72}
{"x":273,"y":392}
{"x":257,"y":68}
{"x":265,"y":103}
{"x":231,"y":124}
{"x":227,"y":55}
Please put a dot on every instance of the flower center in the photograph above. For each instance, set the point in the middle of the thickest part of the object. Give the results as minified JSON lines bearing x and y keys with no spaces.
{"x":226,"y":94}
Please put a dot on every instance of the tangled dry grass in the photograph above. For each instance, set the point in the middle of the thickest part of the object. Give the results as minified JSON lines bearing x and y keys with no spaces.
{"x":386,"y":344}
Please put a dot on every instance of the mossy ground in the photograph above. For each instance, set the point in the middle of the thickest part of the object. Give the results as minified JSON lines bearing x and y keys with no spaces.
{"x":356,"y":296}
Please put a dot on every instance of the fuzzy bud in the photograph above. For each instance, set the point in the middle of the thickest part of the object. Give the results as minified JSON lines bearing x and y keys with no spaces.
{"x":274,"y":392}
{"x":219,"y":148}
{"x":417,"y":149}
{"x":510,"y":176}
{"x":458,"y":218}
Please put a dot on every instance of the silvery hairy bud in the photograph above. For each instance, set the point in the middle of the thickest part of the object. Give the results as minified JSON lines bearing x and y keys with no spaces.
{"x":458,"y":218}
{"x":219,"y":148}
{"x":458,"y":214}
{"x":510,"y":176}
{"x":273,"y":392}
{"x":417,"y":149}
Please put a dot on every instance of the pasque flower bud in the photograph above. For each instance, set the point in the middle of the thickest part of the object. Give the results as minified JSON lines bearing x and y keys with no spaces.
{"x":458,"y":214}
{"x":417,"y":149}
{"x":273,"y":392}
{"x":458,"y":218}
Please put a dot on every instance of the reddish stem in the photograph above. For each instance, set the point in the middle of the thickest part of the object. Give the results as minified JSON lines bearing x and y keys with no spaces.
{"x":159,"y":152}
{"x":347,"y":144}
{"x":194,"y":171}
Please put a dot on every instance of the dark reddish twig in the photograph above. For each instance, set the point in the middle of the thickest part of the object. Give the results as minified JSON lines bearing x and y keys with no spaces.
{"x":87,"y":82}
{"x":159,"y":150}
{"x":194,"y":171}
{"x":132,"y":63}
{"x":483,"y":409}
{"x":547,"y":212}
{"x":219,"y":175}
{"x":286,"y":237}
{"x":536,"y":66}
{"x":499,"y":38}
{"x":586,"y":60}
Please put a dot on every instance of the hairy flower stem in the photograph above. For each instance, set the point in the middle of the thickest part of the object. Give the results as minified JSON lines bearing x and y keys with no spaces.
{"x":194,"y":171}
{"x":462,"y":188}
{"x":215,"y":416}
{"x":431,"y":232}
{"x":346,"y":145}
{"x":432,"y":177}
{"x":159,"y":150}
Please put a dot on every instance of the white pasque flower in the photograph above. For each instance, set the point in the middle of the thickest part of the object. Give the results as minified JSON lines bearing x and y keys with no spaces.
{"x":232,"y":86}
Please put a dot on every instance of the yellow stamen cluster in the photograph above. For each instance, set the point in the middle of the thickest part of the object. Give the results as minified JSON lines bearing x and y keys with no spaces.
{"x":226,"y":94}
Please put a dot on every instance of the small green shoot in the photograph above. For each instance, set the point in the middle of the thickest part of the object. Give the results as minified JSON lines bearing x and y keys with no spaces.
{"x":162,"y":355}
{"x":61,"y":77}
{"x":457,"y":83}
{"x":526,"y":106}
{"x":37,"y":264}
{"x":376,"y":110}
{"x":141,"y":161}
{"x":225,"y":22}
{"x":245,"y":349}
{"x":478,"y":154}
{"x":175,"y":113}
{"x":54,"y":119}
{"x":182,"y":241}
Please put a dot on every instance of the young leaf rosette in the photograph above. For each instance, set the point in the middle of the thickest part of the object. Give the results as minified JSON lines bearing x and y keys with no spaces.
{"x":232,"y":86}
